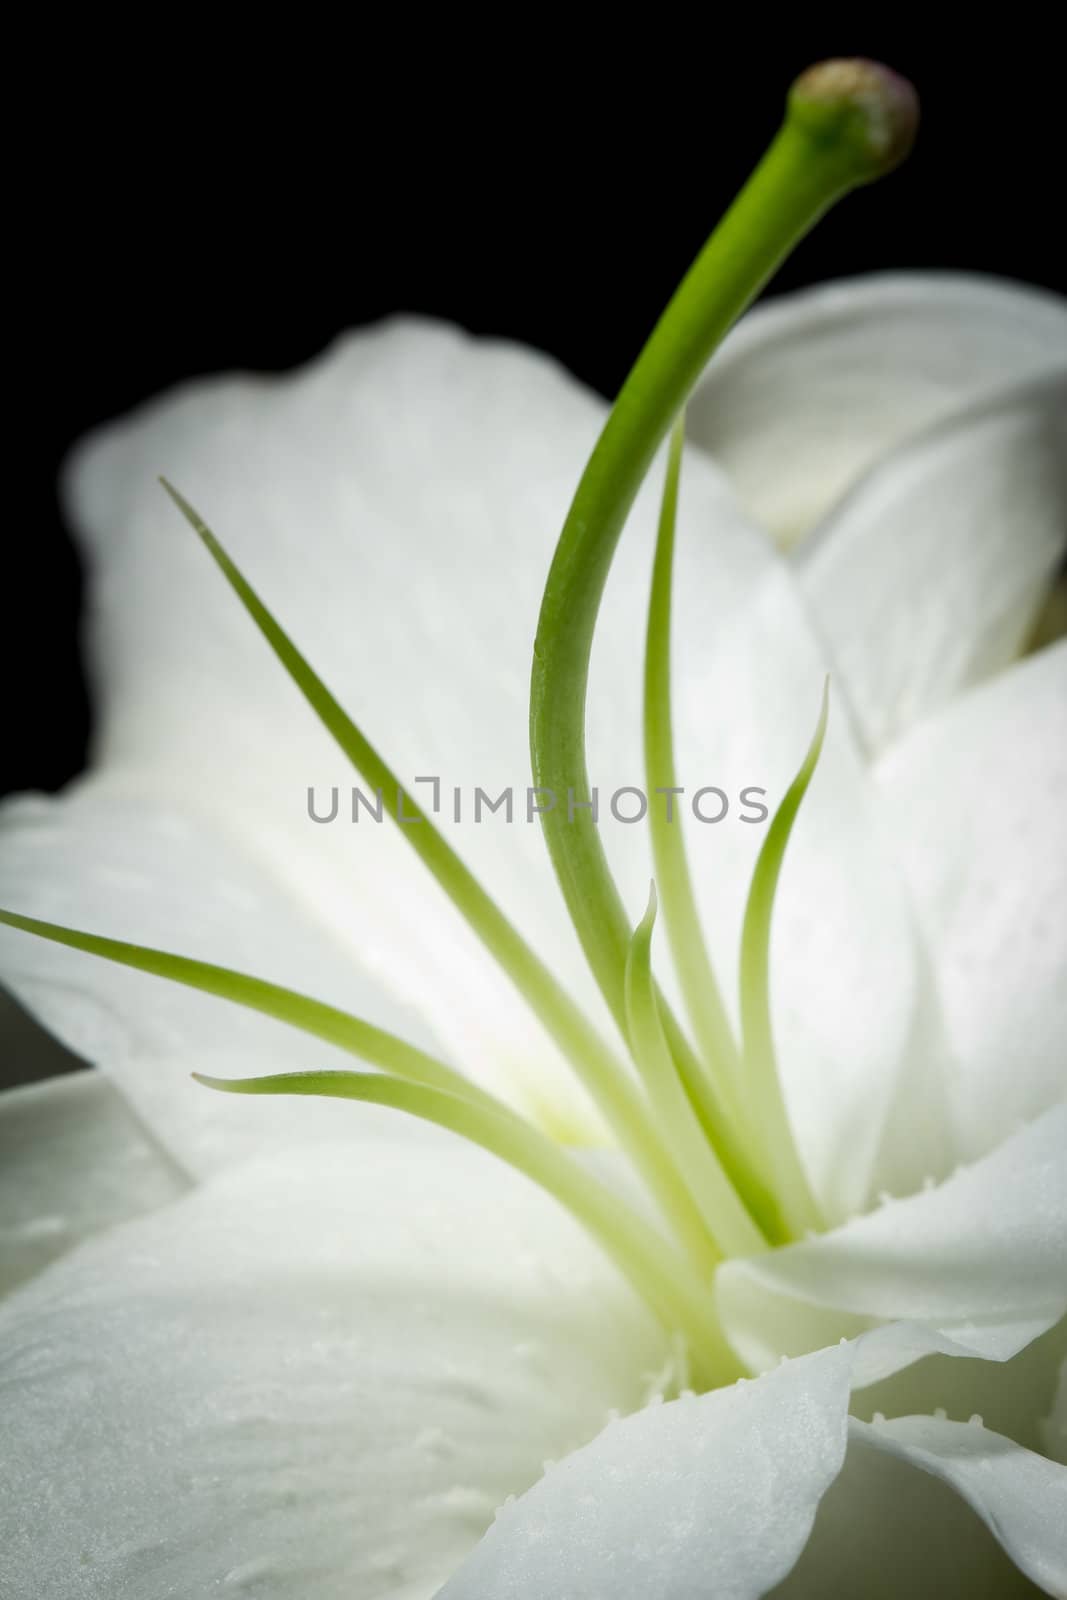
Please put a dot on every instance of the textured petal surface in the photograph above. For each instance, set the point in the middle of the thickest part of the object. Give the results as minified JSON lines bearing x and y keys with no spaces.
{"x":717,"y":1496}
{"x":1014,"y":1397}
{"x":709,"y":1496}
{"x":73,"y":1161}
{"x":111,"y":859}
{"x":1020,"y":1496}
{"x":812,"y":388}
{"x":974,"y":798}
{"x":316,"y":1376}
{"x":931,"y":573}
{"x":981,"y":1261}
{"x":885,"y":1529}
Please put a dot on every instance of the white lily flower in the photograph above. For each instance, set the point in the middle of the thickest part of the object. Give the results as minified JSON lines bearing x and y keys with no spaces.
{"x":287,"y":1349}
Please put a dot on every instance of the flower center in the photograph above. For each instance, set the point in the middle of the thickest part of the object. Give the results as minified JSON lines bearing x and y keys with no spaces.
{"x":702,"y":1122}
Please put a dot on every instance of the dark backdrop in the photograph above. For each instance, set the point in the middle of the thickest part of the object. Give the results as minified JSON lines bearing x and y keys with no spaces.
{"x":181,"y":208}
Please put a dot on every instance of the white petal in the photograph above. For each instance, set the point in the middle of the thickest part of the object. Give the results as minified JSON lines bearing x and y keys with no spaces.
{"x":929,"y":576}
{"x":73,"y":1160}
{"x":1013,"y":1397}
{"x":112,"y":860}
{"x":979,"y":1263}
{"x":709,"y":1496}
{"x":884,"y":1530}
{"x":396,"y":503}
{"x":1020,"y":1496}
{"x":974,"y":797}
{"x":812,"y":388}
{"x":316,"y":1376}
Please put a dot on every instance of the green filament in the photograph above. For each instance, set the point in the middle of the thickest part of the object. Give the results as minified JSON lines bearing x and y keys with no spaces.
{"x":680,"y":916}
{"x":766,"y":1107}
{"x":296,"y":1010}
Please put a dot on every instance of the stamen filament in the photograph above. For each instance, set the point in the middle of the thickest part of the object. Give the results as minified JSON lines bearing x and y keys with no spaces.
{"x":641,"y":1252}
{"x":727,"y":1220}
{"x":296,"y":1010}
{"x":680,"y":915}
{"x":763,"y":1090}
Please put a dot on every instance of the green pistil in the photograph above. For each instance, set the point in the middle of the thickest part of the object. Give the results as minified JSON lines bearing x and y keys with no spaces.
{"x":833,"y":139}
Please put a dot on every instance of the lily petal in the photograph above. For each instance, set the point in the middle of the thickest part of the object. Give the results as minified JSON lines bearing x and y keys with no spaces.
{"x":74,"y":1160}
{"x":812,"y":388}
{"x":112,"y":859}
{"x":317,"y":1375}
{"x":980,"y":1263}
{"x":1014,"y":1397}
{"x":930,"y":574}
{"x":1020,"y":1496}
{"x":718,"y":1495}
{"x":885,"y":1529}
{"x":709,"y":1496}
{"x":974,"y":798}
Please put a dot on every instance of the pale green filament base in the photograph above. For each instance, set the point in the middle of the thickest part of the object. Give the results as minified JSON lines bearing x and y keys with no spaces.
{"x":642,"y":1253}
{"x":724,"y":1213}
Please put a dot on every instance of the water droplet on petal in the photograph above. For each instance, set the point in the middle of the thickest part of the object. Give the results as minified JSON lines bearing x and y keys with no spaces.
{"x":249,"y":1571}
{"x":434,"y":1442}
{"x":470,"y":1505}
{"x":388,"y":1564}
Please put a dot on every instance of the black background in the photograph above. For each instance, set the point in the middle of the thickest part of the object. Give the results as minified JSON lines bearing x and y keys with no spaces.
{"x":179,"y":208}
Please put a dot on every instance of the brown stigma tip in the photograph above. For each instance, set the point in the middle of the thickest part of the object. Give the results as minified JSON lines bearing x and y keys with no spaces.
{"x":872,"y":109}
